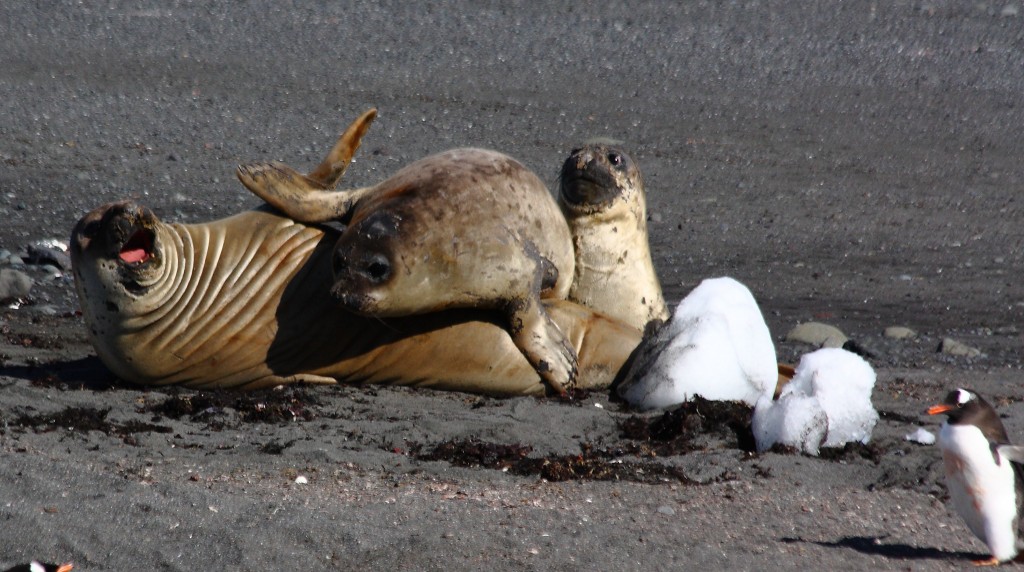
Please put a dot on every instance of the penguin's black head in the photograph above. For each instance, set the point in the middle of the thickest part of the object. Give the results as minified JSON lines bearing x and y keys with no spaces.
{"x":964,"y":407}
{"x":958,"y":404}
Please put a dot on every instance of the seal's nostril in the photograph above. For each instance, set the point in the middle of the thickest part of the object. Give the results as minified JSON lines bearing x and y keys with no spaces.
{"x":583,"y":159}
{"x":378,"y":268}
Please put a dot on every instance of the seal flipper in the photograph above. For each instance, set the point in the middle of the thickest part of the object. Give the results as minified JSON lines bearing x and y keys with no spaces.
{"x":309,"y":198}
{"x":294,"y":194}
{"x":543,"y":344}
{"x":330,"y":170}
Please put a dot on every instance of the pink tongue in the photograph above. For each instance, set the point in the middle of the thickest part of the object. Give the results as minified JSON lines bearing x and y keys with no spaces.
{"x":134,"y":255}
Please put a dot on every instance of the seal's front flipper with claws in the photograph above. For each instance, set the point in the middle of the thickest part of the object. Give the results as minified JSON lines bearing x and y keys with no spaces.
{"x":543,"y":344}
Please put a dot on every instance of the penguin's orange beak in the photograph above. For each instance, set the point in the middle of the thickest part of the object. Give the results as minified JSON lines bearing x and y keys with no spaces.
{"x":940,"y":408}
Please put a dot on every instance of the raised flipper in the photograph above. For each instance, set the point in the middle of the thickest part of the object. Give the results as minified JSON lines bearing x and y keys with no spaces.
{"x":330,"y":170}
{"x":309,"y":198}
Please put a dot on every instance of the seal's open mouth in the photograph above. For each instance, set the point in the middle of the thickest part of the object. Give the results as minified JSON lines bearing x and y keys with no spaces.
{"x":138,"y":248}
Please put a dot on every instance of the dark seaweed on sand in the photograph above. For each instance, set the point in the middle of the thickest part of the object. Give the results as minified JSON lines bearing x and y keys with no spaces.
{"x":591,"y":464}
{"x":83,"y":420}
{"x":674,"y":432}
{"x":260,"y":406}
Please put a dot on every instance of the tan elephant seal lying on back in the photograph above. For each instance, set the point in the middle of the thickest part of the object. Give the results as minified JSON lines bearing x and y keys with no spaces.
{"x":466,"y":228}
{"x":602,"y":195}
{"x":245,"y":302}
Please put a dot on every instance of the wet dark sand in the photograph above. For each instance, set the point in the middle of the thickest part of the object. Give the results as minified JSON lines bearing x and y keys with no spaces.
{"x":857,"y":164}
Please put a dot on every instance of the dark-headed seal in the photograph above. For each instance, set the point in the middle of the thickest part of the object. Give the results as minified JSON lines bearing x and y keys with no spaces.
{"x":602,"y":195}
{"x":466,"y":228}
{"x":245,"y":302}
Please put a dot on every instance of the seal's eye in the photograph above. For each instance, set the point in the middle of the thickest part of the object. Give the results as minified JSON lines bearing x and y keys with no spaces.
{"x":615,"y":159}
{"x":91,"y":229}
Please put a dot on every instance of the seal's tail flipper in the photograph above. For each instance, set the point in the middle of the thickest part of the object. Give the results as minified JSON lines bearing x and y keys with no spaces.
{"x":294,"y":194}
{"x":310,"y":198}
{"x":330,"y":170}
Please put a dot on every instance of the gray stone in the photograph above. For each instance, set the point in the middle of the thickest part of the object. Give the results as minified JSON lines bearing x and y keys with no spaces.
{"x":46,"y":310}
{"x":817,"y":334}
{"x":900,"y":333}
{"x":44,"y":255}
{"x":14,"y":284}
{"x":949,"y":346}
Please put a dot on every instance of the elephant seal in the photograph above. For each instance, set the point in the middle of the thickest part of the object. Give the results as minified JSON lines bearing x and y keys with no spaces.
{"x":465,"y":228}
{"x":601,"y":193}
{"x":245,"y":302}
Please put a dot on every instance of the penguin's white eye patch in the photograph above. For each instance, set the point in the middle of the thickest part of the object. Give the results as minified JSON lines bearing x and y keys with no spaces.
{"x":963,"y":396}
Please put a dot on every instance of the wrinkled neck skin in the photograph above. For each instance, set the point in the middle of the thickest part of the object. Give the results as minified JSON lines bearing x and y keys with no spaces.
{"x":614,"y":271}
{"x":206,"y":309}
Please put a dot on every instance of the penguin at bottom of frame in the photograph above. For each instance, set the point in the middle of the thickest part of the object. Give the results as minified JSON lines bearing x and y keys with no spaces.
{"x":36,"y":566}
{"x":982,"y":472}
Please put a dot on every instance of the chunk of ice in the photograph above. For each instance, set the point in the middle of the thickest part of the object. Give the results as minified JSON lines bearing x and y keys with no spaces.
{"x":922,"y":436}
{"x":831,"y":382}
{"x":716,"y":345}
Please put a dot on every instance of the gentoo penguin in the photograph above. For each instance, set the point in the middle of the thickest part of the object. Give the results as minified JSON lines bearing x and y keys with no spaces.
{"x":986,"y":488}
{"x":36,"y":566}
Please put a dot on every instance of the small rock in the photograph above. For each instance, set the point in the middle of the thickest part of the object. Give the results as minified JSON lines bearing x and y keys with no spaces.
{"x":817,"y":334}
{"x":900,"y":333}
{"x":14,"y":284}
{"x":864,"y":351}
{"x":15,"y":260}
{"x":46,"y":310}
{"x":301,"y":480}
{"x":52,"y":271}
{"x":949,"y":346}
{"x":1010,"y":10}
{"x":665,"y":509}
{"x":45,"y":255}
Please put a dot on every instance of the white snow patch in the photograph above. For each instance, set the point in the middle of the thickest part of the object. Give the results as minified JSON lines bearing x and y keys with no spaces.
{"x":827,"y":403}
{"x":922,"y":436}
{"x":716,"y":345}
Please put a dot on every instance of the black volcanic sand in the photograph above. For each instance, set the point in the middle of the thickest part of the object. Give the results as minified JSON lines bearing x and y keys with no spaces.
{"x":856,"y":163}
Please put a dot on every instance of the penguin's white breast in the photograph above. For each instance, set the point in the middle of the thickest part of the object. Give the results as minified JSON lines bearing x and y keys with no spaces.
{"x":983,"y":492}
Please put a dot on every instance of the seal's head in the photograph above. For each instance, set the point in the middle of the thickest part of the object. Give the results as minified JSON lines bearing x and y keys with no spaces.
{"x":364,"y":264}
{"x":597,"y":177}
{"x":116,"y":247}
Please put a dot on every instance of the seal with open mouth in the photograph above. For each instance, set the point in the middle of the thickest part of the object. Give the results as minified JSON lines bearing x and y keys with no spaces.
{"x":245,"y":302}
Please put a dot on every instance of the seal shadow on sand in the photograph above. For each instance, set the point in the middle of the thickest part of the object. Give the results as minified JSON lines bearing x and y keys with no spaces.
{"x":873,"y":545}
{"x":85,"y":373}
